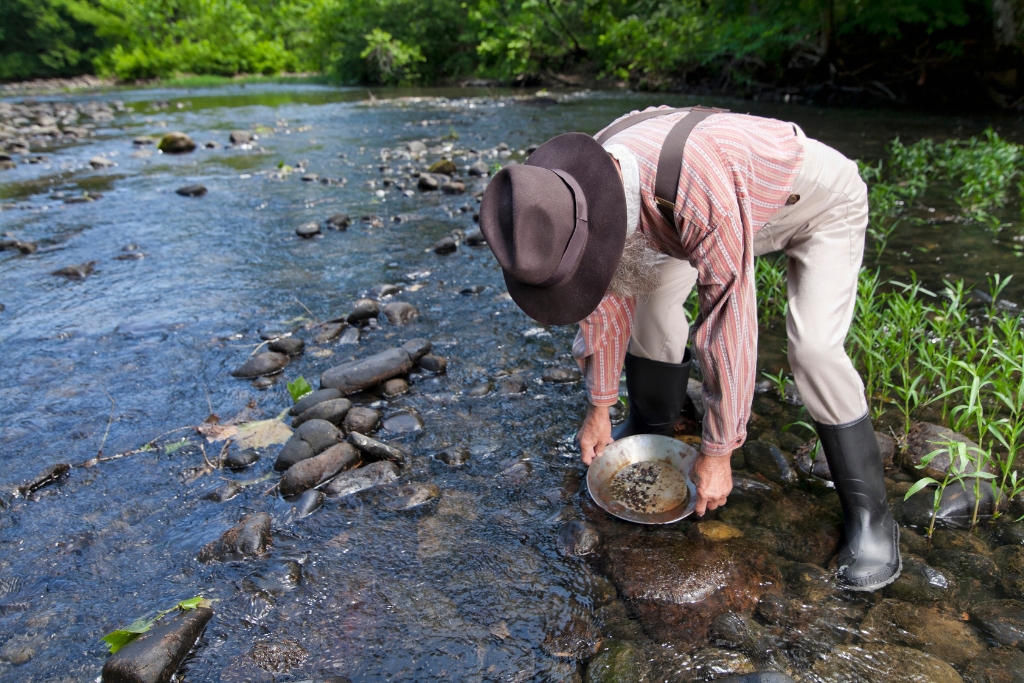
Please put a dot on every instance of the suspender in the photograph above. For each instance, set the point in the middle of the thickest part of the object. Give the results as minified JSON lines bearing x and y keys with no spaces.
{"x":670,"y":161}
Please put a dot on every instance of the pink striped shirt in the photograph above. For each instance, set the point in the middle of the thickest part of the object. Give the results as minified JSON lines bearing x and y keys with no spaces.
{"x":738,"y":170}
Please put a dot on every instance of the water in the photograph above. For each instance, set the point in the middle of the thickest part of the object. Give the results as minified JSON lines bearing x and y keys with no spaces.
{"x":470,"y":587}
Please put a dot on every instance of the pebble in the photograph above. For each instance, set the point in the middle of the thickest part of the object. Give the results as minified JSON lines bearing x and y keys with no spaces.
{"x":474,"y":289}
{"x":453,"y":187}
{"x":395,"y":387}
{"x":578,"y":539}
{"x":444,"y":167}
{"x":410,"y":496}
{"x":370,"y":476}
{"x":479,"y":390}
{"x":427,"y":183}
{"x":400,"y":312}
{"x":263,"y":383}
{"x":240,"y":137}
{"x":403,"y":422}
{"x":475,"y":238}
{"x":155,"y":656}
{"x":445,"y":245}
{"x":290,"y":346}
{"x":363,"y":309}
{"x":237,"y":460}
{"x":454,"y":456}
{"x":417,"y":348}
{"x":433,"y":363}
{"x":350,"y":336}
{"x":260,"y":365}
{"x":79,"y":272}
{"x":248,"y":538}
{"x":361,"y":420}
{"x":333,"y":410}
{"x":308,"y":230}
{"x":101,"y":162}
{"x":511,"y":384}
{"x":311,"y":399}
{"x":312,"y":437}
{"x":308,"y":503}
{"x":53,"y":474}
{"x":310,"y":178}
{"x":416,"y":147}
{"x":143,"y":140}
{"x":329,"y":332}
{"x":713,"y":530}
{"x":196,"y":190}
{"x":224,"y":493}
{"x":176,"y":143}
{"x":338,"y":221}
{"x":479,"y":169}
{"x":377,"y":450}
{"x":561,"y":375}
{"x":310,"y":473}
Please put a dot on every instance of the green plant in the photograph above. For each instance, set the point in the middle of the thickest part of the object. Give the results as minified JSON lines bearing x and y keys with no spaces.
{"x":389,"y":59}
{"x":960,"y":461}
{"x":298,"y":388}
{"x":779,"y":380}
{"x":117,"y":639}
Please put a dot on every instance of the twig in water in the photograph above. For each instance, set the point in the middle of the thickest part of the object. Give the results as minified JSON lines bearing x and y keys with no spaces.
{"x":258,"y":347}
{"x":208,"y":401}
{"x":311,"y":313}
{"x":113,"y":405}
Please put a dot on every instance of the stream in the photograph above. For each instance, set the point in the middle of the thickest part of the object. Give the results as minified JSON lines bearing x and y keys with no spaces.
{"x":475,"y":585}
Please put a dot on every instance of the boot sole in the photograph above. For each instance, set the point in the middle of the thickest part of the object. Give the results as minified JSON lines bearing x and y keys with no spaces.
{"x":881,"y":584}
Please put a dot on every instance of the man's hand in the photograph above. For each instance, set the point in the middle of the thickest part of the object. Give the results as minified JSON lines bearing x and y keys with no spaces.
{"x":712,"y":474}
{"x":595,"y":433}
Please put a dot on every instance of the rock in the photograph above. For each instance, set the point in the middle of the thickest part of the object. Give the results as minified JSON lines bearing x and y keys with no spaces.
{"x":314,"y":471}
{"x":240,"y":137}
{"x":350,"y":336}
{"x":479,"y":169}
{"x":311,"y":399}
{"x":889,"y":663}
{"x":472,"y":290}
{"x":262,"y":383}
{"x":7,"y":165}
{"x":410,"y":496}
{"x":248,"y":538}
{"x":101,"y":162}
{"x":403,"y":422}
{"x":417,"y":348}
{"x":561,"y":375}
{"x":224,"y":493}
{"x":310,"y":177}
{"x":294,"y":450}
{"x":338,"y":221}
{"x":416,"y":147}
{"x":290,"y":346}
{"x":444,"y":167}
{"x":475,"y":238}
{"x":435,"y":364}
{"x":920,"y":582}
{"x":196,"y":190}
{"x":308,"y":503}
{"x":578,"y":538}
{"x":998,"y":665}
{"x":740,"y":632}
{"x":511,"y":384}
{"x":400,"y":312}
{"x":713,"y":530}
{"x":678,"y":586}
{"x":155,"y":656}
{"x":766,"y":459}
{"x":478,"y":390}
{"x":618,"y":661}
{"x":53,"y":474}
{"x":238,"y":460}
{"x":79,"y":272}
{"x":427,"y":183}
{"x":361,"y":420}
{"x":176,"y":143}
{"x":453,"y":456}
{"x":924,"y":438}
{"x":1010,"y":560}
{"x":453,"y":187}
{"x":395,"y":387}
{"x":1003,"y":620}
{"x":571,"y":636}
{"x":329,"y":332}
{"x":370,"y":476}
{"x":819,"y":466}
{"x":311,"y":438}
{"x":363,"y":309}
{"x":143,"y":140}
{"x":445,"y":245}
{"x":307,"y":230}
{"x":333,"y":411}
{"x":924,"y":628}
{"x":261,"y":365}
{"x":955,"y":508}
{"x":368,"y":372}
{"x":377,"y":450}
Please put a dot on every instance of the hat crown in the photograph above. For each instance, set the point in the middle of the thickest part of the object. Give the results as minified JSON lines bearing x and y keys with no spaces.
{"x":528,"y":216}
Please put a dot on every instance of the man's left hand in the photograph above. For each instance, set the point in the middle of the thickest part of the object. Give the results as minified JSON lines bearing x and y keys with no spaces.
{"x":712,"y":474}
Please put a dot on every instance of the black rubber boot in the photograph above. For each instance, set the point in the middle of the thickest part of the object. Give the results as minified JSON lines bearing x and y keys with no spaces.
{"x":870,"y":555}
{"x":657,"y":393}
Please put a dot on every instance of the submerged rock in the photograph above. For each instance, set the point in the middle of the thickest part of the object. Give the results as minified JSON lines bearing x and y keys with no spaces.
{"x":377,"y":450}
{"x":370,"y":476}
{"x":400,"y":312}
{"x":924,"y":628}
{"x":224,"y":493}
{"x":618,"y":661}
{"x":338,"y":221}
{"x":578,"y":538}
{"x":79,"y":272}
{"x":311,"y":399}
{"x":361,"y":420}
{"x":51,"y":475}
{"x":363,"y":309}
{"x":248,"y":538}
{"x":920,"y":582}
{"x":261,"y":365}
{"x":237,"y":460}
{"x":889,"y":663}
{"x":410,"y":496}
{"x":176,"y":143}
{"x":766,"y":459}
{"x":314,"y":471}
{"x":481,"y":389}
{"x":1003,"y":620}
{"x":308,"y":503}
{"x":333,"y":410}
{"x":371,"y":371}
{"x":310,"y":229}
{"x":240,"y":137}
{"x":1010,"y":560}
{"x":511,"y":384}
{"x":290,"y":346}
{"x":101,"y":162}
{"x":395,"y":387}
{"x":998,"y":665}
{"x":561,"y":375}
{"x":455,"y":456}
{"x":955,"y":509}
{"x":155,"y":656}
{"x":445,"y":245}
{"x":403,"y":422}
{"x":196,"y":190}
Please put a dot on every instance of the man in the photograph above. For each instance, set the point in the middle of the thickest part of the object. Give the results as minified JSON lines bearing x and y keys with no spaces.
{"x":602,"y":233}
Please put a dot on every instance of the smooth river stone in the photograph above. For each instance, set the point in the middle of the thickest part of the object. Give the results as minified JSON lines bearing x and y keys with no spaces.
{"x":154,"y":656}
{"x":454,"y":456}
{"x":766,"y":458}
{"x":410,"y":496}
{"x":578,"y":538}
{"x":926,"y":628}
{"x":354,"y":481}
{"x":260,"y":365}
{"x":290,"y":346}
{"x":417,"y":348}
{"x":308,"y":503}
{"x":561,"y":375}
{"x":889,"y":663}
{"x":311,"y":473}
{"x":237,"y":460}
{"x":333,"y":410}
{"x":311,"y":399}
{"x":1003,"y":620}
{"x":240,"y":137}
{"x":403,"y":423}
{"x":400,"y":312}
{"x":363,"y":309}
{"x":338,"y":221}
{"x":196,"y":190}
{"x":679,"y":585}
{"x":371,"y":371}
{"x":248,"y":538}
{"x":445,"y":245}
{"x":377,"y":450}
{"x":435,"y":364}
{"x":307,"y":230}
{"x":176,"y":142}
{"x":395,"y":387}
{"x":361,"y":420}
{"x":319,"y":434}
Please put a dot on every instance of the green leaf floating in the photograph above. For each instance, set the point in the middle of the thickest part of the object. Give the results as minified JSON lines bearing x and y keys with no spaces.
{"x":115,"y":640}
{"x":298,"y":388}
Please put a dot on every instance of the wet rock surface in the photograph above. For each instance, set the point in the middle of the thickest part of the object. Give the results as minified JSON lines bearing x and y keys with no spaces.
{"x":767,"y":459}
{"x":578,"y":538}
{"x":311,"y":438}
{"x":155,"y":656}
{"x":311,"y":399}
{"x":176,"y":143}
{"x":1002,"y":620}
{"x":314,"y":471}
{"x":362,"y":420}
{"x":409,"y":496}
{"x":454,"y":456}
{"x":332,"y":410}
{"x":924,"y":438}
{"x":261,"y":365}
{"x":377,"y":450}
{"x":368,"y":372}
{"x":882,"y":662}
{"x":372,"y":475}
{"x":195,"y":190}
{"x":249,"y":538}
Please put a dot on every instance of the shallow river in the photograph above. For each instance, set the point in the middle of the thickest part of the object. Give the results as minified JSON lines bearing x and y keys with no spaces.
{"x":472,"y":586}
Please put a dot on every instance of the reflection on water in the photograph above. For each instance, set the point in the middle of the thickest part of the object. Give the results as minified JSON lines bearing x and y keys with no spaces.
{"x":469,"y":587}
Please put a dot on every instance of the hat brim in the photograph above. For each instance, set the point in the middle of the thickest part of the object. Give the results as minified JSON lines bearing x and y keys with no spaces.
{"x":574,"y":299}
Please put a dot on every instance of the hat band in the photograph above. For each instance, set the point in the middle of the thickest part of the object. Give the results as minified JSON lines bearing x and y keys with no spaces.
{"x":578,"y":240}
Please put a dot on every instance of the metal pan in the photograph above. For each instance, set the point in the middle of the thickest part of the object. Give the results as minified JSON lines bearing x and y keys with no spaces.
{"x":644,"y":479}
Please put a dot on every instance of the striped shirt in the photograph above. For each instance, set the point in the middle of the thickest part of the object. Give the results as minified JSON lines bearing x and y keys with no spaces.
{"x":737,"y":171}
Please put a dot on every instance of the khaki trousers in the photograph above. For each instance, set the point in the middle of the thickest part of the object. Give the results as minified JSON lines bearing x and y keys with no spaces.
{"x":823,"y":236}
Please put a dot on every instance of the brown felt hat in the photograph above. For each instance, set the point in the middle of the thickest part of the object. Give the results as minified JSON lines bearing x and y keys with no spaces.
{"x":557,"y":225}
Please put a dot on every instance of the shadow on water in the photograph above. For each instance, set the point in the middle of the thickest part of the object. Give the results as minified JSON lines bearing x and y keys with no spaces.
{"x":473,"y":585}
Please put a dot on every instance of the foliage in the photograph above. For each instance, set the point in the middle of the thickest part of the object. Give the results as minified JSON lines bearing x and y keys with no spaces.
{"x":44,"y":38}
{"x":298,"y":388}
{"x":117,"y":639}
{"x":389,"y":60}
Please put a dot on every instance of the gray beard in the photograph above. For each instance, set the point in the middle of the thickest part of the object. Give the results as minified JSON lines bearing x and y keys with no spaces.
{"x":637,"y":275}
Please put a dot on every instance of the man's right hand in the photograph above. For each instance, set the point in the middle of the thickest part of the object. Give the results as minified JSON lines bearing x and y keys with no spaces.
{"x":595,"y":433}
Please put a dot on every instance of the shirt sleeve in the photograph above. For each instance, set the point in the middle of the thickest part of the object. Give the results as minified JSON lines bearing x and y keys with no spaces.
{"x":600,"y":347}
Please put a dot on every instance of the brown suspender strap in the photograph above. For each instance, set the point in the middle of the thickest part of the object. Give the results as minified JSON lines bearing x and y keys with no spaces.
{"x":670,"y":160}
